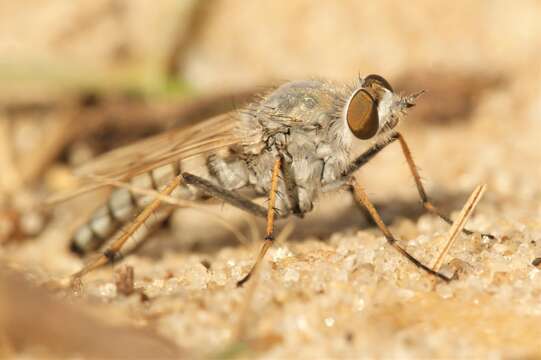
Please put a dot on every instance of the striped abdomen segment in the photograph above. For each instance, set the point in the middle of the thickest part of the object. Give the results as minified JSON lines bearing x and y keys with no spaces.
{"x":120,"y":208}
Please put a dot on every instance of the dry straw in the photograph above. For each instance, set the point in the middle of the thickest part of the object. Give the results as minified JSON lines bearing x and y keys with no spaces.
{"x":459,"y":224}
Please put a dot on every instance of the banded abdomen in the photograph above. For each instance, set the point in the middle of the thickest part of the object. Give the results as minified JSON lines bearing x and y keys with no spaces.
{"x":121,"y":207}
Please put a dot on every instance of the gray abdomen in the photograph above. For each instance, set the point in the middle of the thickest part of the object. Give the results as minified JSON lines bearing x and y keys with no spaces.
{"x":121,"y":207}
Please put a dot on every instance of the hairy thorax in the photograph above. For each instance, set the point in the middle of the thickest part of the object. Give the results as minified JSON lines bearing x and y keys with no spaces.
{"x":300,"y":123}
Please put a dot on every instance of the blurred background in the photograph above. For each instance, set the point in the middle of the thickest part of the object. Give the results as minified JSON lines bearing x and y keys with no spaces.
{"x":214,"y":45}
{"x":79,"y":78}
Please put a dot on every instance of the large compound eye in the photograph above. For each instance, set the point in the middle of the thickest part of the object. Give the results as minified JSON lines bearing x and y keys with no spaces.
{"x":362,"y":115}
{"x":373,"y":78}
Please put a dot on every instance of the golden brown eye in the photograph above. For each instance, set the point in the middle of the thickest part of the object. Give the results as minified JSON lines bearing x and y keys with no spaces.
{"x":362,"y":115}
{"x":373,"y":78}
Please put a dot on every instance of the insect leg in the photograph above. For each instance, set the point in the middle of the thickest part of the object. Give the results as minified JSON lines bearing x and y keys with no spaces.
{"x":110,"y":254}
{"x":368,"y":155}
{"x":228,"y":196}
{"x":427,"y":204}
{"x":291,"y":187}
{"x":365,"y":157}
{"x":361,"y":197}
{"x":121,"y":207}
{"x":271,"y":212}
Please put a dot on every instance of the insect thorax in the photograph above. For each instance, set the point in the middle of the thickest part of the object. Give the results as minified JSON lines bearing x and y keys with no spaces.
{"x":301,"y":123}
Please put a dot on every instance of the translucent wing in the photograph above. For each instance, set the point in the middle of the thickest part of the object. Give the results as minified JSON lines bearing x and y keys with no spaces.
{"x":172,"y":146}
{"x":207,"y":136}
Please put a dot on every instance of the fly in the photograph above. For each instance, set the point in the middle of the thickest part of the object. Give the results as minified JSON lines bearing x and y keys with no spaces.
{"x":291,"y":145}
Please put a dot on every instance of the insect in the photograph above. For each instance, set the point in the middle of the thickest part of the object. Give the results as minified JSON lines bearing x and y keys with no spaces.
{"x":292,"y":144}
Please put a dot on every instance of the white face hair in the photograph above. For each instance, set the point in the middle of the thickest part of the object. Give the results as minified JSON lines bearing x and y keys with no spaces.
{"x":374,"y":108}
{"x":385,"y":108}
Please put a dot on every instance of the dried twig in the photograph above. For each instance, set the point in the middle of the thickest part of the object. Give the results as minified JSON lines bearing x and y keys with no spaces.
{"x":89,"y":20}
{"x":240,"y":332}
{"x":77,"y":121}
{"x":10,"y":173}
{"x":124,"y":279}
{"x":35,"y":163}
{"x":459,"y":224}
{"x":185,"y":37}
{"x":242,"y":325}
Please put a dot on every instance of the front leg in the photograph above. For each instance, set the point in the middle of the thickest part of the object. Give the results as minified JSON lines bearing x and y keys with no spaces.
{"x":362,"y":198}
{"x":368,"y":155}
{"x":376,"y":148}
{"x":427,"y":204}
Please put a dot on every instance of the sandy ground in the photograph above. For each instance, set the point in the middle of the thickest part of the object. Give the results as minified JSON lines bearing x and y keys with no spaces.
{"x":332,"y":287}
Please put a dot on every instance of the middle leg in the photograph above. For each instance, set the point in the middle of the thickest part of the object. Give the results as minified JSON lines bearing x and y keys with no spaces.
{"x":271,"y":214}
